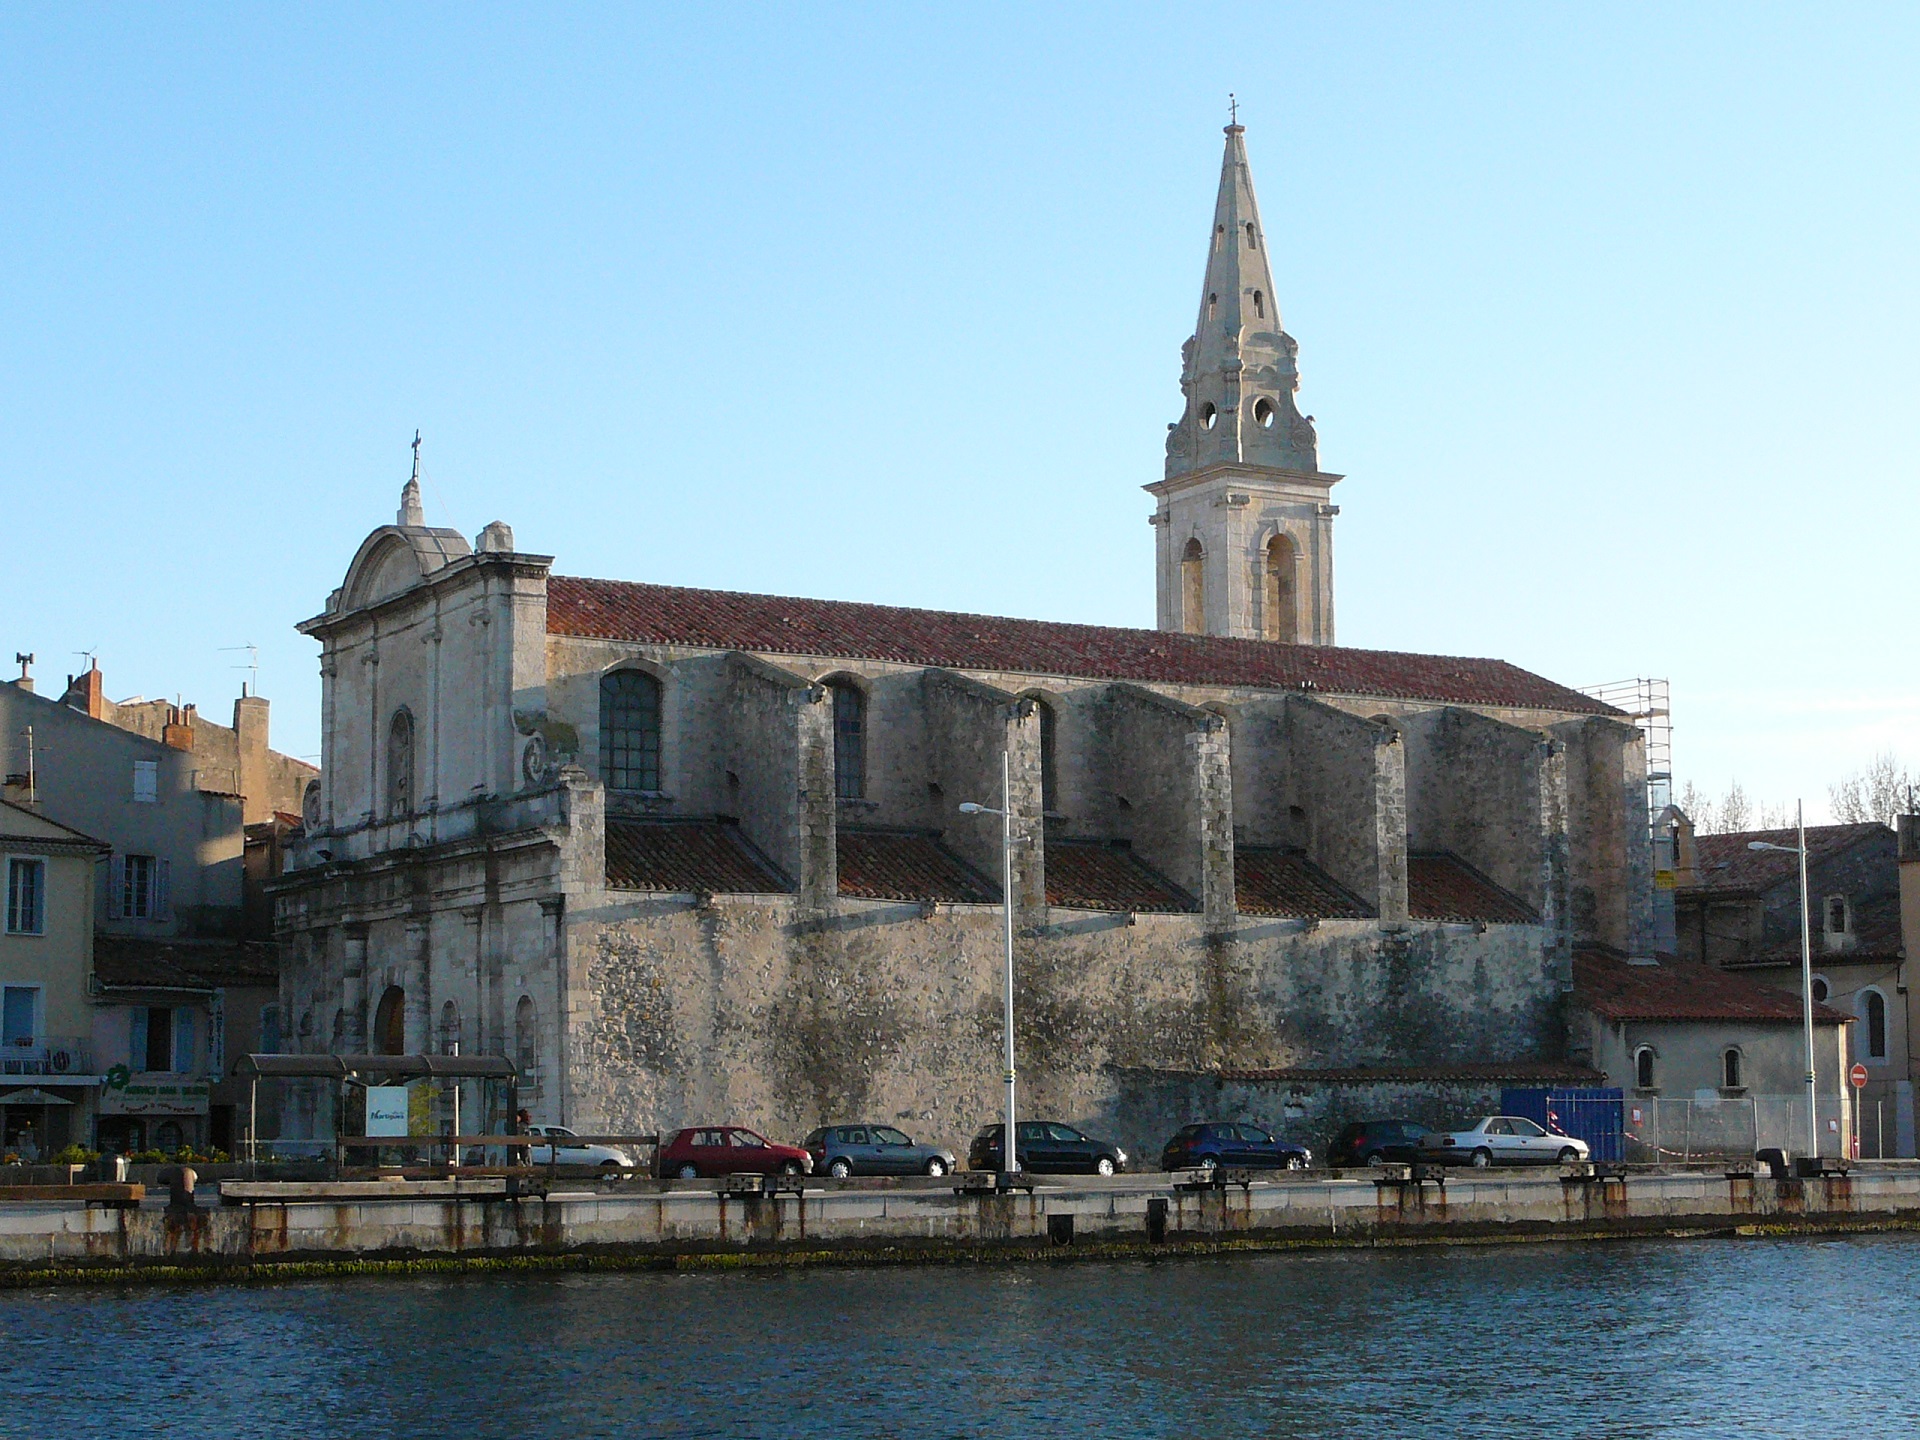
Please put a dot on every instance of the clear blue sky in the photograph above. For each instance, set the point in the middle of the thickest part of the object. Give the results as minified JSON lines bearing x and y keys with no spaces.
{"x":1607,"y":316}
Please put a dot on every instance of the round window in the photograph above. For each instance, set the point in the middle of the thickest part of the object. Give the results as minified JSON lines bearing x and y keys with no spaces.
{"x":1263,"y":413}
{"x":1208,"y":415}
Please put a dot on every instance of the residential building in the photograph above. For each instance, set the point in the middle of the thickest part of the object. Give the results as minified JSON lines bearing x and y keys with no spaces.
{"x":1737,"y":909}
{"x":686,"y":854}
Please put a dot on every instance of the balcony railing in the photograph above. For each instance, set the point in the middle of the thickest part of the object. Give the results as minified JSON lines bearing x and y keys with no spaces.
{"x":46,"y":1055}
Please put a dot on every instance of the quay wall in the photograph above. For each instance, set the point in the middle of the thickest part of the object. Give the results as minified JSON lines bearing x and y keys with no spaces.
{"x":695,"y":1223}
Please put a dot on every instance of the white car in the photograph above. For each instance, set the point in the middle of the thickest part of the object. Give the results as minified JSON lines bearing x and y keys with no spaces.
{"x":1502,"y":1140}
{"x":578,"y":1152}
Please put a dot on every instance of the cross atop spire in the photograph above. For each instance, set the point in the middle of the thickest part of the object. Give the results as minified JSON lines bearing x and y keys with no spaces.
{"x":412,"y":512}
{"x":1233,"y":111}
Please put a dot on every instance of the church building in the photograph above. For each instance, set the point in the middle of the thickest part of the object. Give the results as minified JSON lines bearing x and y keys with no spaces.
{"x":689,"y":856}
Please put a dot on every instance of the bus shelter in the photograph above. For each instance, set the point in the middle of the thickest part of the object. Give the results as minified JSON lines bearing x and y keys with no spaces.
{"x":381,"y":1109}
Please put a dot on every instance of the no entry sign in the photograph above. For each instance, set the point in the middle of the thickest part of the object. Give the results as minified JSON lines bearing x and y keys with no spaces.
{"x":1858,"y":1075}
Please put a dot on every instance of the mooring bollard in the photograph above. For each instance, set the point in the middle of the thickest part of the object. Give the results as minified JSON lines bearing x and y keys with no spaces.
{"x":180,"y":1181}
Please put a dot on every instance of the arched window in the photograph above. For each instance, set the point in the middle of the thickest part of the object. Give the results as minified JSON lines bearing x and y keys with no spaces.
{"x":400,"y":763}
{"x":449,"y":1029}
{"x":1259,"y":305}
{"x":849,"y":740}
{"x":390,"y":1023}
{"x":1193,"y":589}
{"x":1283,"y":609}
{"x":526,"y":1049}
{"x":1213,"y":304}
{"x":1873,"y":1011}
{"x":1252,"y":244}
{"x":1643,"y":1067}
{"x":629,"y":730}
{"x":1049,"y":781}
{"x":339,"y":1031}
{"x":1730,"y":1074}
{"x":1219,"y":236}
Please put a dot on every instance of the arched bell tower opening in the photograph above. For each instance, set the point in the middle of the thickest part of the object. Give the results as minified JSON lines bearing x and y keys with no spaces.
{"x":1243,"y":481}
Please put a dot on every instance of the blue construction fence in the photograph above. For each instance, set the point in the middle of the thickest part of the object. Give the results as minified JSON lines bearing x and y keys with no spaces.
{"x":1594,"y":1115}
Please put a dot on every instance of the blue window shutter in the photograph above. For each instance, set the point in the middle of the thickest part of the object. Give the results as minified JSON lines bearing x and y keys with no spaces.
{"x":183,"y":1056}
{"x":162,"y":904}
{"x":137,"y":1038}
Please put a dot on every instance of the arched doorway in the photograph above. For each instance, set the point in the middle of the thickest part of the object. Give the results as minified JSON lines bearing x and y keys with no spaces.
{"x":390,"y":1023}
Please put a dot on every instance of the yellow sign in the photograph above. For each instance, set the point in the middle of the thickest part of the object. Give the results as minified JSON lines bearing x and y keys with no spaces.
{"x":1665,"y":880}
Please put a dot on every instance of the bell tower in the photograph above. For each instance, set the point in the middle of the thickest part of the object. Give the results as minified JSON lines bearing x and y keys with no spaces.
{"x":1244,"y":523}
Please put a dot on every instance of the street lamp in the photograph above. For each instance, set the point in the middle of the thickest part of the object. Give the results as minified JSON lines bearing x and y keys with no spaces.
{"x":1010,"y":1164}
{"x":1806,"y":966}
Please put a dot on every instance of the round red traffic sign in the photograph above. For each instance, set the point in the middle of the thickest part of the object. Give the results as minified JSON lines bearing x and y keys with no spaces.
{"x":1858,"y":1075}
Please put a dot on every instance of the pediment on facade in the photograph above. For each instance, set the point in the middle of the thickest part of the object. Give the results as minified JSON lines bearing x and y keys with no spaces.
{"x":396,"y":558}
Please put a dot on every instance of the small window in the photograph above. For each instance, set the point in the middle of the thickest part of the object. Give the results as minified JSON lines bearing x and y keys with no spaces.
{"x":1259,"y":305}
{"x":1263,"y":413}
{"x":526,"y":1050}
{"x":1837,"y":914}
{"x":26,"y":897}
{"x":1219,"y":236}
{"x":1208,"y":415}
{"x":849,"y":741}
{"x":1873,"y":1010}
{"x":146,"y":781}
{"x":1643,"y":1067}
{"x":1213,"y":305}
{"x":1820,"y":989}
{"x":449,"y":1028}
{"x":1252,"y":243}
{"x":1730,"y":1074}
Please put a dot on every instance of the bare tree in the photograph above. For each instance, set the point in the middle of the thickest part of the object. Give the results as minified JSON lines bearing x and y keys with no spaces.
{"x":1736,"y":811}
{"x":1880,"y":792}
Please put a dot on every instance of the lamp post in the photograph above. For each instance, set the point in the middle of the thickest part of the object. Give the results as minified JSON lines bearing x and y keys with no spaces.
{"x":1009,"y":1160}
{"x":1806,"y":967}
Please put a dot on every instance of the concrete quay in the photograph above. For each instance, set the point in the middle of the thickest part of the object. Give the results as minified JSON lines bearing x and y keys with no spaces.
{"x":265,"y":1228}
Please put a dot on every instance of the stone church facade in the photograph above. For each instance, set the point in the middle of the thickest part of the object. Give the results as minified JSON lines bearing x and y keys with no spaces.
{"x":691,"y":856}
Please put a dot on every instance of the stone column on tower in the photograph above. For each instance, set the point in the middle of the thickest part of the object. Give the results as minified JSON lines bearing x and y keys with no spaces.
{"x":1244,"y":523}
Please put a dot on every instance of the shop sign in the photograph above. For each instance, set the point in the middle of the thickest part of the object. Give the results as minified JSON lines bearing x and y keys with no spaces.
{"x":126,"y":1093}
{"x":386,"y":1110}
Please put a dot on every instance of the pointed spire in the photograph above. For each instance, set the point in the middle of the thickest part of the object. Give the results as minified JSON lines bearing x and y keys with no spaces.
{"x":412,"y":513}
{"x":1239,"y":374}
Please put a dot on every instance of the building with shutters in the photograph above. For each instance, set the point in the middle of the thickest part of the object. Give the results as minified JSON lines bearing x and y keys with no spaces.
{"x":689,"y":856}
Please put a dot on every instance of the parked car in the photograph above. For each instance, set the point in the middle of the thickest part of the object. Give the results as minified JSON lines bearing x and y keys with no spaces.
{"x":843,"y":1150}
{"x":1378,"y":1142}
{"x":1047,"y":1147}
{"x":711,"y":1150}
{"x":558,"y":1152}
{"x":1502,"y":1140}
{"x":1206,"y":1146}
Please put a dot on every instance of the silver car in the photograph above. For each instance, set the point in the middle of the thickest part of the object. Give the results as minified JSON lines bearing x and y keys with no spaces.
{"x":563,"y":1147}
{"x":1502,"y":1140}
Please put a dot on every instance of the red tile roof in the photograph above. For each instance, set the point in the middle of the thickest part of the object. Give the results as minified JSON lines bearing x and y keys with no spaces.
{"x":903,"y":865}
{"x":1681,"y":990}
{"x":700,"y":857}
{"x":1095,"y":875}
{"x":1285,"y":882}
{"x":772,"y":624}
{"x":1444,"y":887}
{"x":1724,"y":862}
{"x":136,"y":962}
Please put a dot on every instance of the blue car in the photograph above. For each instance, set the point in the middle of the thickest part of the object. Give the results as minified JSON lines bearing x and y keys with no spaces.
{"x":1242,"y":1147}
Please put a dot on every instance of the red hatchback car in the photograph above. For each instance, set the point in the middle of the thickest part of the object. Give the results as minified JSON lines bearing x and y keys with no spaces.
{"x":713,"y":1150}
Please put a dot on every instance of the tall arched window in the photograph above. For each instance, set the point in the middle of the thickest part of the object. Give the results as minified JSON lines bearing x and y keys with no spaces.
{"x":849,"y":740}
{"x":1643,"y":1067}
{"x":1049,"y":774}
{"x":1213,"y":304}
{"x":1873,"y":1010}
{"x":1193,"y":589}
{"x":629,"y":730}
{"x":526,"y":1048}
{"x":1252,"y":244}
{"x":1259,"y":305}
{"x":449,"y":1029}
{"x":1219,"y":235}
{"x":390,"y":1023}
{"x":1283,"y":612}
{"x":400,"y":763}
{"x":1730,"y":1072}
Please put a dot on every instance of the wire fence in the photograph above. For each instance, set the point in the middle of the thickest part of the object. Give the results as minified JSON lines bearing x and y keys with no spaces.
{"x":1665,"y":1131}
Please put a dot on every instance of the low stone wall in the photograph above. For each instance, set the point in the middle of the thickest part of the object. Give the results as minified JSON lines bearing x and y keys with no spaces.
{"x":694,"y":1223}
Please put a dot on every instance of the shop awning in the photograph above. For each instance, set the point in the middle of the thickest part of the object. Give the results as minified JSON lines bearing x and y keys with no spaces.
{"x":385,"y":1067}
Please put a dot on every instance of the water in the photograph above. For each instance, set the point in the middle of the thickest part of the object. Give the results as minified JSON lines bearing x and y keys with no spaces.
{"x":1709,"y":1338}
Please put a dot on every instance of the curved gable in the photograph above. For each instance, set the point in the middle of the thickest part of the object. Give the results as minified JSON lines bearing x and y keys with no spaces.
{"x":396,"y":558}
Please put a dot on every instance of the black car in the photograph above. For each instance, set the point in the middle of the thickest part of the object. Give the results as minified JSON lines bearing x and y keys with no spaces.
{"x":1377,"y":1142}
{"x":843,"y":1150}
{"x":1247,"y":1147}
{"x":1048,"y":1147}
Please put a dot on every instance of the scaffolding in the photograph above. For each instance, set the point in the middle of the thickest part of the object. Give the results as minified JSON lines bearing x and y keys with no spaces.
{"x":1644,"y":702}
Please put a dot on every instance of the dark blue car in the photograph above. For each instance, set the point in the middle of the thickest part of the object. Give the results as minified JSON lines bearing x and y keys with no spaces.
{"x":1241,"y":1147}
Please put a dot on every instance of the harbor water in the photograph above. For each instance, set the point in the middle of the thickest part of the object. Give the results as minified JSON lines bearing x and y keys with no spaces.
{"x":1702,"y":1338}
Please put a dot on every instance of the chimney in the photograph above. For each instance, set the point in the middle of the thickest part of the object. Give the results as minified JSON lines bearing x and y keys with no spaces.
{"x":87,"y":691}
{"x":25,"y":680}
{"x":177,"y":733}
{"x":250,"y":736}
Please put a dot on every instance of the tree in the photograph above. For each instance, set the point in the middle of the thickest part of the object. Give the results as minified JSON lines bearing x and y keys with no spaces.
{"x":1880,"y":792}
